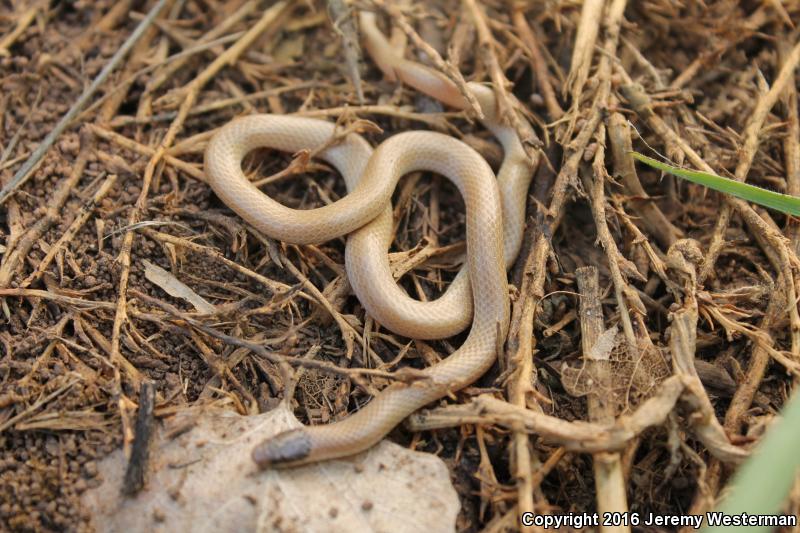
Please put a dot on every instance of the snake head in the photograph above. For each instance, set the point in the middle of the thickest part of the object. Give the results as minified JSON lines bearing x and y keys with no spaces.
{"x":289,"y":448}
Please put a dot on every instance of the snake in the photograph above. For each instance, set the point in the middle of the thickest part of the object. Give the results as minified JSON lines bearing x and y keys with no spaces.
{"x":478,"y":296}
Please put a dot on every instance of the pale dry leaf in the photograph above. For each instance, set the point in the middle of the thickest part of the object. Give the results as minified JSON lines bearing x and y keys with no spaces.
{"x":204,"y":480}
{"x":604,"y":345}
{"x":175,"y":287}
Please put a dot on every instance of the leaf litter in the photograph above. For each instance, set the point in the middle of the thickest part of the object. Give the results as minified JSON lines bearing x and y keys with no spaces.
{"x":202,"y":479}
{"x":699,"y":288}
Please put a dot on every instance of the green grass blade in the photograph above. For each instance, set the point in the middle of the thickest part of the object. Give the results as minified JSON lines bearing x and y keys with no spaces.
{"x":774,"y":200}
{"x":762,"y":484}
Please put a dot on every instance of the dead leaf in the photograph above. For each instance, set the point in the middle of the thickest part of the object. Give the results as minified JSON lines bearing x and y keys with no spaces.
{"x":205,"y":480}
{"x":604,"y":345}
{"x":175,"y":287}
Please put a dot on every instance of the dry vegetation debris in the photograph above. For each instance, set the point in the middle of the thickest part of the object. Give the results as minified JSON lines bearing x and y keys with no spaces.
{"x":654,"y":323}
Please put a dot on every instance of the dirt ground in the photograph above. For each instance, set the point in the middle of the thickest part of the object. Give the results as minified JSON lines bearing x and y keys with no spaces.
{"x":699,"y":331}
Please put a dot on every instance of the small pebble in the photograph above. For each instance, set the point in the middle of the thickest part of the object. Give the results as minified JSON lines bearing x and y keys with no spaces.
{"x":91,"y":468}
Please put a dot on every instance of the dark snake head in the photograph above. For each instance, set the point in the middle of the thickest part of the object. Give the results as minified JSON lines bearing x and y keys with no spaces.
{"x":285,"y":449}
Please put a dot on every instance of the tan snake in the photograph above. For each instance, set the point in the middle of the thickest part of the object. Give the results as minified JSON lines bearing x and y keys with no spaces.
{"x":494,"y":215}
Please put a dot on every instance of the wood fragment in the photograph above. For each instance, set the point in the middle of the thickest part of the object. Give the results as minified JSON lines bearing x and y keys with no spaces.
{"x":608,"y":474}
{"x":138,"y":463}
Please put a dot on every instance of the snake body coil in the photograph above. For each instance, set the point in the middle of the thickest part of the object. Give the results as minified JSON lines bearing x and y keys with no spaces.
{"x":478,"y":295}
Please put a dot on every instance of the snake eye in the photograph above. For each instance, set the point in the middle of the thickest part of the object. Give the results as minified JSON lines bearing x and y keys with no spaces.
{"x":284,"y":449}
